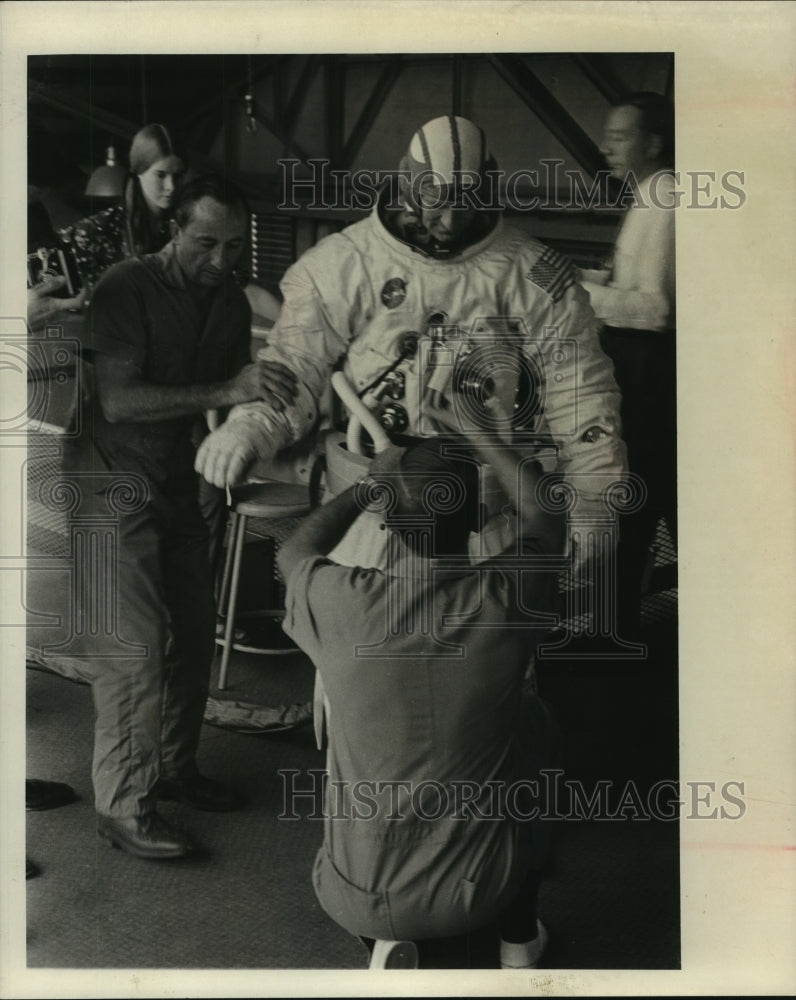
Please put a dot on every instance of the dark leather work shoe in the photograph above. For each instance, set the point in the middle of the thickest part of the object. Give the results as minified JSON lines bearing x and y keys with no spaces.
{"x":40,"y":795}
{"x":147,"y":836}
{"x":200,"y":793}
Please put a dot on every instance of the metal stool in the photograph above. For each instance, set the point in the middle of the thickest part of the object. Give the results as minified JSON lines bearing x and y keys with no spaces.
{"x":270,"y":501}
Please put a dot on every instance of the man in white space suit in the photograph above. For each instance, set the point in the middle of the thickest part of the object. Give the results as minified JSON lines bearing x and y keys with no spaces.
{"x":434,"y":291}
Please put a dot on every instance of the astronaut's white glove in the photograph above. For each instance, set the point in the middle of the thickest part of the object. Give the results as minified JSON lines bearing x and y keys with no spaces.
{"x":593,"y":527}
{"x":254,"y":432}
{"x":226,"y":454}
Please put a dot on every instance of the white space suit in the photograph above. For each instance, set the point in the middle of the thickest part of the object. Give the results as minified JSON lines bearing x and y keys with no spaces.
{"x":358,"y":293}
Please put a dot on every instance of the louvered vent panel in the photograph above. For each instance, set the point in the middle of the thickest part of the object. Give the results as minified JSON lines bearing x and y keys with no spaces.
{"x":273,"y":242}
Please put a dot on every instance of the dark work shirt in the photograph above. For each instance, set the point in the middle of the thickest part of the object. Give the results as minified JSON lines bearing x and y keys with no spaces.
{"x":175,"y":333}
{"x":422,"y":674}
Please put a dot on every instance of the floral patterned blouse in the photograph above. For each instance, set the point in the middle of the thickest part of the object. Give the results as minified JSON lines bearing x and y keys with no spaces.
{"x":100,"y":241}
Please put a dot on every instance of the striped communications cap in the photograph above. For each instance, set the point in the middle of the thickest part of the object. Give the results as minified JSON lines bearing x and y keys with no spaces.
{"x":445,"y":156}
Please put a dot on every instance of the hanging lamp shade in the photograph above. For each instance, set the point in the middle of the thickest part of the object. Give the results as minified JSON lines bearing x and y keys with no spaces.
{"x":108,"y":180}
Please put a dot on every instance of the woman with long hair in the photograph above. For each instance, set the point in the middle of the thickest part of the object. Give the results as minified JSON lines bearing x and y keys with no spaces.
{"x":139,"y":224}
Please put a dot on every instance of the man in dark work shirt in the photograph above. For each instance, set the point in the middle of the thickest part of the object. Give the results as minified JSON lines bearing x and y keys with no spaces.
{"x":167,"y":336}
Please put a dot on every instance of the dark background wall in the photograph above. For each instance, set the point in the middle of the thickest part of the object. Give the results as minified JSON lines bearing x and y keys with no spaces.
{"x":356,"y":112}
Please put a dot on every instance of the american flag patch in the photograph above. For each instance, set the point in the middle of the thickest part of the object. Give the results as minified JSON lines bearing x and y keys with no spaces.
{"x":553,"y":273}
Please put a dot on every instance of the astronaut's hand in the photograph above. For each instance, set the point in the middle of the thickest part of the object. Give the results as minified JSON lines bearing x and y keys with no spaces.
{"x":226,"y":454}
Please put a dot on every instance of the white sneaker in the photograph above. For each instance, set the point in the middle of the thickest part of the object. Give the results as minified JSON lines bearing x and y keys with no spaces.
{"x":394,"y":955}
{"x":526,"y":955}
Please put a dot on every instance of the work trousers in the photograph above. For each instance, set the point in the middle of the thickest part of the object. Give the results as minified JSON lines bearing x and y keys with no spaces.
{"x":213,"y":505}
{"x":150,"y":707}
{"x":645,"y":371}
{"x":381,"y":912}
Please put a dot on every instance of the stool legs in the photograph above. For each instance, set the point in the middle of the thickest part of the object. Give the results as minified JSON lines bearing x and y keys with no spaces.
{"x":223,"y":590}
{"x":230,"y":581}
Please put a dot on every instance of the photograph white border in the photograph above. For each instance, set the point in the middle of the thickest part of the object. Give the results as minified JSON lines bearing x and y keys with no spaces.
{"x":736,"y":390}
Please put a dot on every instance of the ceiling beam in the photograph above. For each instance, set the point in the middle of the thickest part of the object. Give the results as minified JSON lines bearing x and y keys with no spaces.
{"x":375,"y":102}
{"x":334,"y":105}
{"x":197,"y":112}
{"x":278,"y":94}
{"x":281,"y":130}
{"x":75,"y":107}
{"x":105,"y":121}
{"x":290,"y":145}
{"x":598,"y":70}
{"x":669,"y":89}
{"x":202,"y":122}
{"x":529,"y":88}
{"x":229,"y":129}
{"x":457,"y":86}
{"x":296,"y":101}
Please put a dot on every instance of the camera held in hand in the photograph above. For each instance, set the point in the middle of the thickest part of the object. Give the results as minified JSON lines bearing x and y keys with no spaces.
{"x":54,"y":262}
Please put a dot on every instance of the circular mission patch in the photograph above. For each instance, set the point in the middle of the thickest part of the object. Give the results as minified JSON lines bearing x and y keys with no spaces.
{"x":393,"y":293}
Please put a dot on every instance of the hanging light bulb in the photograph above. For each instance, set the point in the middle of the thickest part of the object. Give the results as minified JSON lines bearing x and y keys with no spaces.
{"x":248,"y":100}
{"x":108,"y":180}
{"x":251,"y":124}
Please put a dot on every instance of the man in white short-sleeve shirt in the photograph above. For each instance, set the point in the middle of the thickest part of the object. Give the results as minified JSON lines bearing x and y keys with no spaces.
{"x":635,"y":299}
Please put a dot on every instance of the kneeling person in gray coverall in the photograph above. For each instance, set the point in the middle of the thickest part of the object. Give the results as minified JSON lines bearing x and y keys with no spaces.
{"x":426,"y":832}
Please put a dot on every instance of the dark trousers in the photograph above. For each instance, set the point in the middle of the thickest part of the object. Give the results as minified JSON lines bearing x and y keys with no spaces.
{"x":150,"y":707}
{"x":645,"y":371}
{"x":213,"y":505}
{"x":537,"y":747}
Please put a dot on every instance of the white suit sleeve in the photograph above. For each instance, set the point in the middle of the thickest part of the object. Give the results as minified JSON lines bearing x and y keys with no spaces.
{"x":580,"y":397}
{"x":310,"y":335}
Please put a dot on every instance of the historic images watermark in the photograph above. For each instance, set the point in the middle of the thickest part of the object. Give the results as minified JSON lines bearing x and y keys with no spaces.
{"x":34,"y":364}
{"x":474,"y":368}
{"x":548,"y":187}
{"x":475,"y":361}
{"x":549,"y":797}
